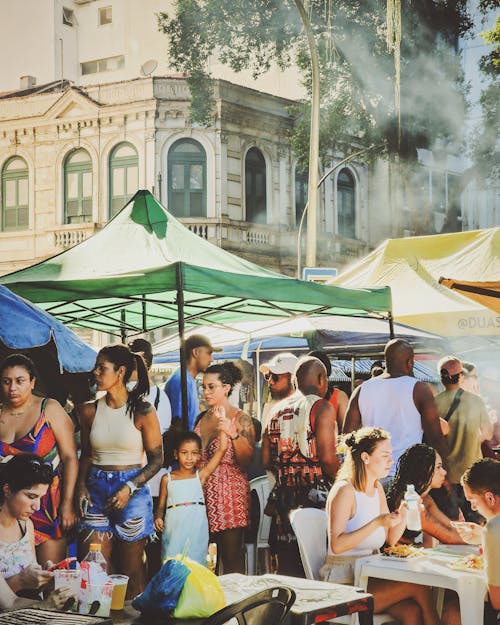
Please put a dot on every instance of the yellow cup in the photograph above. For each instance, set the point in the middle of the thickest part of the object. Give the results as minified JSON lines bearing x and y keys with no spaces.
{"x":119,"y":591}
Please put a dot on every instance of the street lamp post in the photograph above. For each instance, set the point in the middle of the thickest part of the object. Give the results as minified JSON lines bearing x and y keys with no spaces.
{"x":313,"y":142}
{"x":306,"y":207}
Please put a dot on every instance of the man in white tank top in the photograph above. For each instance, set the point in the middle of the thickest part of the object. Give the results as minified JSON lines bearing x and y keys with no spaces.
{"x":398,"y":403}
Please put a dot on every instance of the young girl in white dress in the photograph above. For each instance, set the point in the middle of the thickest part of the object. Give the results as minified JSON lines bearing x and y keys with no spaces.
{"x":182,"y":515}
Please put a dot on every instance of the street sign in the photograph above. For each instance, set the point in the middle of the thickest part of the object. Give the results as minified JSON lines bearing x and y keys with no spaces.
{"x":318,"y":274}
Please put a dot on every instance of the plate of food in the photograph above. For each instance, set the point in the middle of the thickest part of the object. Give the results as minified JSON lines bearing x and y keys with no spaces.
{"x":473,"y":563}
{"x":402,"y":552}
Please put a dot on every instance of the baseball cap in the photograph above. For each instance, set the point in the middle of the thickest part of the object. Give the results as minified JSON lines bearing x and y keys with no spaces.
{"x":281,"y":363}
{"x":198,"y":340}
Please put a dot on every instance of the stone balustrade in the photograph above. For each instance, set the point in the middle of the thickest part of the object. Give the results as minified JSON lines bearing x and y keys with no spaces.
{"x":69,"y":235}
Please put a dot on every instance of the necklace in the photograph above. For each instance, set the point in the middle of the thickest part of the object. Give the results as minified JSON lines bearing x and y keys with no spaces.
{"x":16,"y":415}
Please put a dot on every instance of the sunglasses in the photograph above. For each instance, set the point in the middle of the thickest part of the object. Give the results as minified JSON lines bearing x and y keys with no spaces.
{"x":273,"y":376}
{"x":45,"y":468}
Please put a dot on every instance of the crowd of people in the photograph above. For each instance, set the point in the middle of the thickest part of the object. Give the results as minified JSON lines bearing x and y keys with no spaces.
{"x":140,"y":485}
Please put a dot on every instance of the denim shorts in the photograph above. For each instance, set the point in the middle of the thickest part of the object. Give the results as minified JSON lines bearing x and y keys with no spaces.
{"x":133,"y":522}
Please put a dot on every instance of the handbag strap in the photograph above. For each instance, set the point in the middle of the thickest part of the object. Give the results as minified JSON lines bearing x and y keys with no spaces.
{"x":454,"y":403}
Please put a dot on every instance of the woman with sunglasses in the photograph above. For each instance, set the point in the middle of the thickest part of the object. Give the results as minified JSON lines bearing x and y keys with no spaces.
{"x":24,"y":481}
{"x":32,"y":424}
{"x":117,"y":431}
{"x":227,"y":491}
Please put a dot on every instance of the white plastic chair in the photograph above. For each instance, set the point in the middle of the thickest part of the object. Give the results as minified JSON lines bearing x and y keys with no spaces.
{"x":261,"y":487}
{"x":310,"y":527}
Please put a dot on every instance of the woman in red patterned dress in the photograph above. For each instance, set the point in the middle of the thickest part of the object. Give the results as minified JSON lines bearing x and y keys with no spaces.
{"x":32,"y":424}
{"x":226,"y":490}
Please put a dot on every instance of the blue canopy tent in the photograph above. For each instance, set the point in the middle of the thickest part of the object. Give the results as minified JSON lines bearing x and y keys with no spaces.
{"x":61,"y":357}
{"x":247,"y":349}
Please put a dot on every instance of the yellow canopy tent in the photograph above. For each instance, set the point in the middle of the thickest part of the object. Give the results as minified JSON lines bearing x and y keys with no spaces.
{"x":412,"y":268}
{"x":485,"y":293}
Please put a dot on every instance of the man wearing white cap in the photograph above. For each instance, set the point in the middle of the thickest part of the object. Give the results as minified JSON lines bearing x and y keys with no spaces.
{"x":299,"y":447}
{"x":278,"y":374}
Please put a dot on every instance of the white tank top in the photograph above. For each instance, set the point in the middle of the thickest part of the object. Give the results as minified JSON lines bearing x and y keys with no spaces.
{"x":367,"y":508}
{"x":114,"y":438}
{"x":387,"y":403}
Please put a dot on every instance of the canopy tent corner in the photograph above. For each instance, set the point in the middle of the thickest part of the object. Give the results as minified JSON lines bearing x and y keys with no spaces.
{"x":145,"y":270}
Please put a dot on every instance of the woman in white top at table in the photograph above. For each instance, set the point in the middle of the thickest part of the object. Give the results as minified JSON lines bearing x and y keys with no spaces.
{"x":359,"y":523}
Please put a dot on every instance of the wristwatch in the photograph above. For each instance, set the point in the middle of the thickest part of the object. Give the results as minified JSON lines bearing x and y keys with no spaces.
{"x":132,"y":487}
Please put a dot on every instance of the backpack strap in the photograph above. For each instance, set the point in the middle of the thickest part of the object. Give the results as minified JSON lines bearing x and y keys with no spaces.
{"x":454,"y":404}
{"x":157,"y":398}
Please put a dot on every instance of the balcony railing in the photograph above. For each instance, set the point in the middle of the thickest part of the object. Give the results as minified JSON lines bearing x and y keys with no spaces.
{"x":272,"y":240}
{"x":69,"y":235}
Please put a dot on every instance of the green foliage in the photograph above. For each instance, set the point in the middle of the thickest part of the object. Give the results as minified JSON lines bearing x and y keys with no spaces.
{"x":485,"y":151}
{"x":357,"y":71}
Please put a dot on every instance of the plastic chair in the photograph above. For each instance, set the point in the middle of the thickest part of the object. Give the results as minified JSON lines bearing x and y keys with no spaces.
{"x":270,"y":606}
{"x":310,"y":527}
{"x":259,"y":487}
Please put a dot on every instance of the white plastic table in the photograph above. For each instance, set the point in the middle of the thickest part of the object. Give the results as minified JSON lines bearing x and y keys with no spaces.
{"x":432,"y":570}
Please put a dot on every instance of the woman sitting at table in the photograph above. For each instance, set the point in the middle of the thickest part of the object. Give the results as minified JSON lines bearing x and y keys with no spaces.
{"x":422,"y":466}
{"x":359,"y":523}
{"x":24,"y":480}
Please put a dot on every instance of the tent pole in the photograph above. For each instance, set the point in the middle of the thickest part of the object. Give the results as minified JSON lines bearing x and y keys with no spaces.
{"x":257,"y":383}
{"x":144,"y":317}
{"x":123,"y":332}
{"x":180,"y":321}
{"x":391,"y":326}
{"x":353,"y":373}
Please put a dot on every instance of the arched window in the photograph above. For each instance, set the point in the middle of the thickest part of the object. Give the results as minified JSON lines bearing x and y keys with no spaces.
{"x":301,"y":192}
{"x":187,"y":179}
{"x":78,"y":187}
{"x":15,"y":209}
{"x":346,"y":213}
{"x":123,"y":176}
{"x":255,"y":187}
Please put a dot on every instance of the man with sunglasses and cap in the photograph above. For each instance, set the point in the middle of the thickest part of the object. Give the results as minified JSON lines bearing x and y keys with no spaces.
{"x":278,"y":375}
{"x":469,"y":425}
{"x":299,"y":446}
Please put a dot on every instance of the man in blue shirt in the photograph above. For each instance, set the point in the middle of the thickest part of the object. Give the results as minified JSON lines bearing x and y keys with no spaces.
{"x":198,"y":352}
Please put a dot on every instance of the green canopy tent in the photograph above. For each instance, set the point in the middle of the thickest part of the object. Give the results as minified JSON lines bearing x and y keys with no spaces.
{"x":145,"y":270}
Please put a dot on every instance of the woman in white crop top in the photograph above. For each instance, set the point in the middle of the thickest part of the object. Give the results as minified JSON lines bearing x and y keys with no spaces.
{"x":117,"y":432}
{"x":359,"y":523}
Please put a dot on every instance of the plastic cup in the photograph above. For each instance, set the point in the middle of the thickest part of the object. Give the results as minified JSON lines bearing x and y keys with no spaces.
{"x":69,"y":579}
{"x":119,"y":591}
{"x":95,"y":599}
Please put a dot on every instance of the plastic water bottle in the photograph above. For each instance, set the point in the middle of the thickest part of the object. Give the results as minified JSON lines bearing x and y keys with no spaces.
{"x":413,"y":513}
{"x":94,"y":566}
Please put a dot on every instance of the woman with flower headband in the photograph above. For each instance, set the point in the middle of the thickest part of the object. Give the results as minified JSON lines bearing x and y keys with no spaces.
{"x":32,"y":424}
{"x":359,"y":523}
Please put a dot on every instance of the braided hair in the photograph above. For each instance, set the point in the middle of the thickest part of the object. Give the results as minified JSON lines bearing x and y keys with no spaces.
{"x":415,"y":466}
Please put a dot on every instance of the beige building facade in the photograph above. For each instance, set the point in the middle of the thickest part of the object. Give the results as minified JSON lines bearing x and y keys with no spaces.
{"x":71,"y":157}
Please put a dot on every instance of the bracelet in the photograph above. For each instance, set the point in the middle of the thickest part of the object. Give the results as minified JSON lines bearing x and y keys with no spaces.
{"x":233,"y":438}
